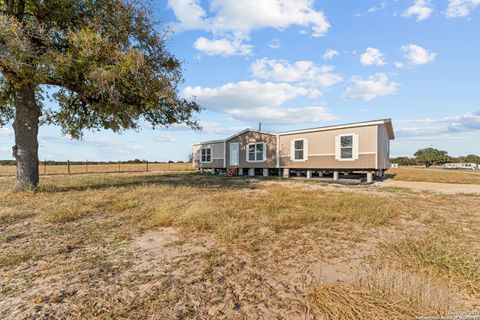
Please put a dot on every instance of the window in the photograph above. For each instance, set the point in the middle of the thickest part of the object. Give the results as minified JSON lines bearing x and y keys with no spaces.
{"x":346,"y":147}
{"x":298,"y":149}
{"x":256,"y":152}
{"x":206,"y":154}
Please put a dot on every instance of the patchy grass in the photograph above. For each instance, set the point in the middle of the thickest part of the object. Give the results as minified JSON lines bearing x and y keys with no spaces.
{"x":231,"y":214}
{"x":444,"y":255}
{"x":66,"y":249}
{"x":12,"y":258}
{"x":101,"y":168}
{"x":435,"y":175}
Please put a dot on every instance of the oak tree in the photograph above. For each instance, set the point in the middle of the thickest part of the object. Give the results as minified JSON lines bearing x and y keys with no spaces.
{"x":431,"y":156}
{"x":104,"y":63}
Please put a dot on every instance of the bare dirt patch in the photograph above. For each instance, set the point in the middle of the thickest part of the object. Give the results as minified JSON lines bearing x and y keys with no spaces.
{"x":448,"y":188}
{"x":165,"y":245}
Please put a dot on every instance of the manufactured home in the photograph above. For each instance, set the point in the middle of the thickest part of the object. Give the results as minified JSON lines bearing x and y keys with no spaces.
{"x":360,"y":147}
{"x":461,"y":165}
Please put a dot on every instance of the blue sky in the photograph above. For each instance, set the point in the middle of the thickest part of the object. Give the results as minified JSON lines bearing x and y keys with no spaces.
{"x":299,"y":63}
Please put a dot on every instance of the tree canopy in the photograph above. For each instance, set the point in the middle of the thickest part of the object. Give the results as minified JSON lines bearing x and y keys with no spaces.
{"x":431,"y":156}
{"x":472,"y":158}
{"x":105,"y":60}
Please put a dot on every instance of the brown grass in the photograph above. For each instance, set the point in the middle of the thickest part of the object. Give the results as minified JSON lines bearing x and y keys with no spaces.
{"x":67,"y":247}
{"x":435,"y":175}
{"x":380,"y":295}
{"x":102,"y":168}
{"x":443,"y":254}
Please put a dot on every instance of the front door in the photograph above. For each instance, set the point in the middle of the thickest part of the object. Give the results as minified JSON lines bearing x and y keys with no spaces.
{"x":234,"y":153}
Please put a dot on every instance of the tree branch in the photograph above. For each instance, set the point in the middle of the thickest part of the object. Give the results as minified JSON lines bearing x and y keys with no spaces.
{"x":21,"y":9}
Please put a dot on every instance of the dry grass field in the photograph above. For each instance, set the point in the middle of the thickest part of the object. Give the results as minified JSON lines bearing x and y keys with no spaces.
{"x":102,"y":168}
{"x":188,"y":246}
{"x":435,"y":175}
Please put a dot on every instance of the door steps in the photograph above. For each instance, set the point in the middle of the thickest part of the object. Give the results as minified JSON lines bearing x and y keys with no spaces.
{"x":232,"y":172}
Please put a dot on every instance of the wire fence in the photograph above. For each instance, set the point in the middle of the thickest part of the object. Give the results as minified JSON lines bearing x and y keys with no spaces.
{"x":46,"y":168}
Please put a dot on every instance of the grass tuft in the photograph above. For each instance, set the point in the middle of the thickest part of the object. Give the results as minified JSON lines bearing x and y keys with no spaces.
{"x":444,"y":256}
{"x":351,"y":302}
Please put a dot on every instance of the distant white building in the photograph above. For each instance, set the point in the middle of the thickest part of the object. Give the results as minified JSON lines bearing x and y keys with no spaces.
{"x":393,"y":165}
{"x":462,"y":165}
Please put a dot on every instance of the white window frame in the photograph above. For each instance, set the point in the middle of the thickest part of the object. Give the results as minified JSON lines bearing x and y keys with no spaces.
{"x":355,"y":147}
{"x":201,"y":154}
{"x":349,"y":147}
{"x":264,"y":155}
{"x":305,"y":150}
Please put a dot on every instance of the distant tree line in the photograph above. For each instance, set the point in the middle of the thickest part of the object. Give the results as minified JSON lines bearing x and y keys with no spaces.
{"x":432,"y":157}
{"x":52,"y":162}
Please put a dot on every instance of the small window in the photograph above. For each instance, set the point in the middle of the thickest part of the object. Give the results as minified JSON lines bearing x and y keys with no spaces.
{"x":206,"y":154}
{"x":299,"y":149}
{"x":346,"y":147}
{"x":256,"y":151}
{"x":251,"y":152}
{"x":259,"y":151}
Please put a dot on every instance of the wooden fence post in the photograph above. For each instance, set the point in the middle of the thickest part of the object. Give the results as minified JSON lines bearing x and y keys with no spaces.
{"x":147,"y":165}
{"x":86,"y":166}
{"x":68,"y":166}
{"x":119,"y":166}
{"x":45,"y":167}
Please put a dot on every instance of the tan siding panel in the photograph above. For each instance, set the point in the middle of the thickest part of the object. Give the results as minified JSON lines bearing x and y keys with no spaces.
{"x":217,"y":155}
{"x":321,"y":149}
{"x":250,"y":137}
{"x":383,"y":147}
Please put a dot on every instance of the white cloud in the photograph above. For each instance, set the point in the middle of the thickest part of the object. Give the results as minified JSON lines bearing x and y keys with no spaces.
{"x":461,"y":8}
{"x":439,"y":126}
{"x":164,"y":138}
{"x":303,"y":72}
{"x":399,"y":65}
{"x":238,"y":18}
{"x":468,"y":121}
{"x":208,"y":127}
{"x":422,"y":9}
{"x":211,"y":127}
{"x":245,"y":95}
{"x":382,"y":5}
{"x":372,"y":87}
{"x":274,"y":44}
{"x":372,"y":57}
{"x":417,"y":54}
{"x":189,"y":14}
{"x":247,"y":15}
{"x":255,"y":101}
{"x":275,"y":115}
{"x":222,"y":47}
{"x":329,"y":54}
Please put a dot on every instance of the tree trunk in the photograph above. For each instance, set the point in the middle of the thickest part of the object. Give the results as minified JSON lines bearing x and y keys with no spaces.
{"x":25,"y":151}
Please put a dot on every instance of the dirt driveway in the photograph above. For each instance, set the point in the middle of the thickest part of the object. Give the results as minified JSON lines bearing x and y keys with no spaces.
{"x":449,"y":188}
